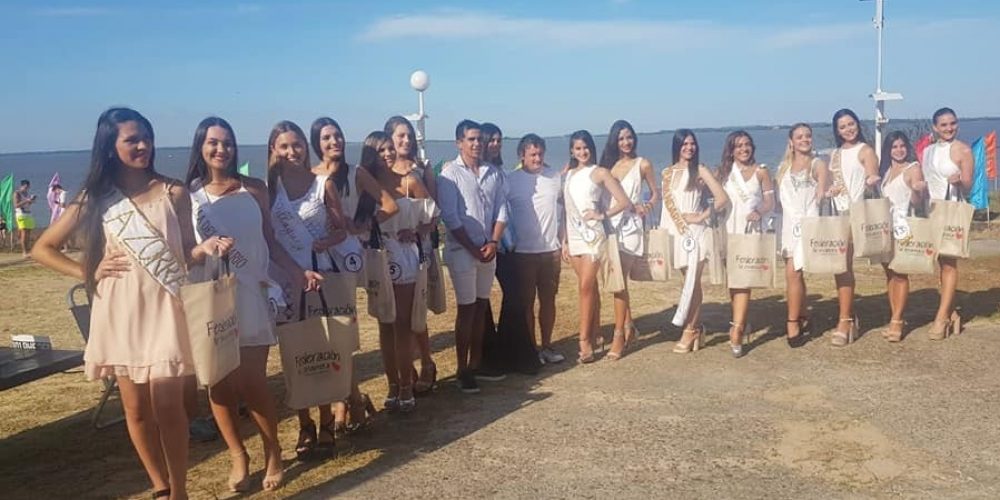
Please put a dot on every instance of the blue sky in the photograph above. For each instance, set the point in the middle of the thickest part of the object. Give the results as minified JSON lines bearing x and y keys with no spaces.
{"x":529,"y":65}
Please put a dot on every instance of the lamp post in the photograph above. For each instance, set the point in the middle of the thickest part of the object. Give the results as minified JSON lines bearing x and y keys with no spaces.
{"x":880,"y":96}
{"x":420,"y":81}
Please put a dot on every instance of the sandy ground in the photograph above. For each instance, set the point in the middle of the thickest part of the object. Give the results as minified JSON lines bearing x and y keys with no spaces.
{"x":874,"y":420}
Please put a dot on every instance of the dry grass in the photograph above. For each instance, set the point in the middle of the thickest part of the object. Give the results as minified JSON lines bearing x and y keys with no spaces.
{"x":50,"y":450}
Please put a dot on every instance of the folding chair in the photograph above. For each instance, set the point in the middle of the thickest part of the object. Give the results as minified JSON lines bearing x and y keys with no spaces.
{"x":81,"y":313}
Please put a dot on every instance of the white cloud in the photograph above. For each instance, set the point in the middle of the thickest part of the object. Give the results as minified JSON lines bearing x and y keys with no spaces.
{"x":660,"y":36}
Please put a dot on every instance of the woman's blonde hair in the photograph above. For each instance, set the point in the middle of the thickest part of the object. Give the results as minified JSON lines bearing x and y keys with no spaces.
{"x":786,"y":161}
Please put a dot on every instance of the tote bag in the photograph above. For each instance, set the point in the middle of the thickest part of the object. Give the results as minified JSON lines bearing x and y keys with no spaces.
{"x":825,"y":241}
{"x":750,"y":258}
{"x":871,"y":227}
{"x":916,"y":249}
{"x":213,"y":325}
{"x":953,"y":218}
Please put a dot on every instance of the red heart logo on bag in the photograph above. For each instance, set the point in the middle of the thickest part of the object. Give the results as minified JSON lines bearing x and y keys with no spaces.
{"x":336,"y":366}
{"x":929,"y":251}
{"x":659,"y":262}
{"x":959,"y":235}
{"x":842,"y":249}
{"x":765,"y":267}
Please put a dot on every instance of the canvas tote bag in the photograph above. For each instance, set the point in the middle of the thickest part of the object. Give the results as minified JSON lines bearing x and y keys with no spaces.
{"x":916,"y":245}
{"x":953,"y":218}
{"x":825,"y":241}
{"x":418,"y":308}
{"x":871,"y":227}
{"x":213,"y":325}
{"x":656,"y":263}
{"x":316,"y":357}
{"x":750,"y":258}
{"x":378,"y":282}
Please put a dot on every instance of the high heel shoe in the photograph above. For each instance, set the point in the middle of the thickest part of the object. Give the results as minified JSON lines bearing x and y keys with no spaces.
{"x":842,"y":339}
{"x":615,"y":356}
{"x":391,"y":402}
{"x":423,"y":386}
{"x":694,"y":343}
{"x":941,"y":328}
{"x":737,"y":348}
{"x":360,"y":414}
{"x":407,"y":405}
{"x":956,"y":323}
{"x":306,"y":444}
{"x":631,"y":334}
{"x":586,"y":354}
{"x":800,"y":339}
{"x":892,"y":335}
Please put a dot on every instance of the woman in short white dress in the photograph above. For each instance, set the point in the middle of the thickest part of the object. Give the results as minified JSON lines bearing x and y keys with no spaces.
{"x":226,"y":204}
{"x":584,"y":190}
{"x":853,"y":170}
{"x":401,"y":234}
{"x":685,"y":216}
{"x":751,"y":197}
{"x":620,"y":157}
{"x":903,"y":185}
{"x":801,"y":182}
{"x":947,"y":164}
{"x":327,"y":140}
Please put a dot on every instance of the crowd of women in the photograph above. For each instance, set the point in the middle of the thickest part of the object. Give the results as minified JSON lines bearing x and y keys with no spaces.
{"x":326,"y":213}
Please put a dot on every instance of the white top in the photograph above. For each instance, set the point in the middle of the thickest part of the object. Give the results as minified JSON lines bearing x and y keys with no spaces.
{"x":687,"y":201}
{"x":745,"y":196}
{"x":854,"y":177}
{"x":628,"y":223}
{"x":311,"y":209}
{"x":533,"y":209}
{"x":938,"y":167}
{"x":581,"y":194}
{"x":898,"y":193}
{"x":797,"y":194}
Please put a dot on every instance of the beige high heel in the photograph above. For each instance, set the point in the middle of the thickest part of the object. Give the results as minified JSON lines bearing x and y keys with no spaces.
{"x":692,"y":345}
{"x":842,"y":339}
{"x":894,"y":336}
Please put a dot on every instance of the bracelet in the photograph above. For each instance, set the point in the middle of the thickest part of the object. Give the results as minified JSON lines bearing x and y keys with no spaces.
{"x":495,"y":242}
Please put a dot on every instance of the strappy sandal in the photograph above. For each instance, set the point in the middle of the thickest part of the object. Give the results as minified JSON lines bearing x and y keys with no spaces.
{"x":615,"y":356}
{"x":422,"y":386}
{"x":842,"y":339}
{"x":800,"y":339}
{"x":692,"y":345}
{"x":306,"y":445}
{"x":362,"y":421}
{"x":737,"y":348}
{"x":326,"y":449}
{"x":894,"y":336}
{"x":164,"y":493}
{"x":406,"y":406}
{"x":585,"y":356}
{"x":391,"y":403}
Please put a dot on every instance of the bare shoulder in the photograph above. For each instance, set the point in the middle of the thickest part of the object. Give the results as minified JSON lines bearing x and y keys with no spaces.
{"x":645,"y":166}
{"x":961,"y":148}
{"x":175,"y":189}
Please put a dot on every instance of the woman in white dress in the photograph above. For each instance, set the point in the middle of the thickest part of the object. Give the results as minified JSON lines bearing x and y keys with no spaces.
{"x":327,"y":140}
{"x":585,"y":187}
{"x":903,"y":184}
{"x":631,"y":171}
{"x":751,"y":197}
{"x":853,"y":170}
{"x":301,"y":198}
{"x":227,"y":204}
{"x":801,"y":182}
{"x":686,"y":216}
{"x":947,"y":164}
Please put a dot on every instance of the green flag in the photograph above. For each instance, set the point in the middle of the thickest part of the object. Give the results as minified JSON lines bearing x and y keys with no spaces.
{"x":7,"y":199}
{"x":244,"y":169}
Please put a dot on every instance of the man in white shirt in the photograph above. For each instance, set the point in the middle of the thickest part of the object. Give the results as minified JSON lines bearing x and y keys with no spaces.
{"x":534,"y":196}
{"x":472,"y":198}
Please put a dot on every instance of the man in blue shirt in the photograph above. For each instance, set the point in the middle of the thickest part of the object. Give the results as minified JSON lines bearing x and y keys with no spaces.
{"x":472,"y":197}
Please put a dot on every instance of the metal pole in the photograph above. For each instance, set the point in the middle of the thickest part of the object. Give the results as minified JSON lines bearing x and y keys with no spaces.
{"x":420,"y":126}
{"x":880,"y":119}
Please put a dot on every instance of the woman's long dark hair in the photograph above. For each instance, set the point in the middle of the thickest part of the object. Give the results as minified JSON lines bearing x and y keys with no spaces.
{"x":390,"y":128}
{"x":370,"y":162}
{"x":679,"y":137}
{"x":273,"y":167}
{"x":885,"y":163}
{"x":836,"y":135}
{"x":729,"y":153}
{"x":487,"y":131}
{"x":340,"y":177}
{"x":611,"y":153}
{"x":197,"y":169}
{"x":588,"y":140}
{"x":104,"y":168}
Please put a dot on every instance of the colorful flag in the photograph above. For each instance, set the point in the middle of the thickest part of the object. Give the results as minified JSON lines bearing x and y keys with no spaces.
{"x":54,"y":198}
{"x":979,"y":194}
{"x":7,"y":199}
{"x":244,"y":169}
{"x":991,"y":155}
{"x":921,"y":145}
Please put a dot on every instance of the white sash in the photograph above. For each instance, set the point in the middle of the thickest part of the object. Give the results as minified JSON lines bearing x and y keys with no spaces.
{"x":208,"y":224}
{"x":143,"y":242}
{"x":687,"y":292}
{"x":590,"y":236}
{"x":289,"y":229}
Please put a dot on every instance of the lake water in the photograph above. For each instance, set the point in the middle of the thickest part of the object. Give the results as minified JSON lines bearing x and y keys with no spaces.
{"x":72,"y":165}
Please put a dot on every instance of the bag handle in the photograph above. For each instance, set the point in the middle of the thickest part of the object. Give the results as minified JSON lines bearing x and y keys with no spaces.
{"x":322,"y":298}
{"x":375,"y":236}
{"x":753,"y":227}
{"x":873,"y":192}
{"x":831,"y":208}
{"x":956,"y":197}
{"x":219,"y":264}
{"x":917,"y":210}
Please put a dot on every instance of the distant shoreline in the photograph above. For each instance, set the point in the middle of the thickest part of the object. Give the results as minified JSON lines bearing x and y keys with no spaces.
{"x":749,"y":128}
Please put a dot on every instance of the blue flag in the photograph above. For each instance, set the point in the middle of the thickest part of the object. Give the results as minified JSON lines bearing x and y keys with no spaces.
{"x":979,"y":194}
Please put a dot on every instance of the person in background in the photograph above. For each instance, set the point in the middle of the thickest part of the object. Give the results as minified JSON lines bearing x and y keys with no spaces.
{"x":23,"y":199}
{"x":472,"y":197}
{"x":57,"y":199}
{"x":534,"y":201}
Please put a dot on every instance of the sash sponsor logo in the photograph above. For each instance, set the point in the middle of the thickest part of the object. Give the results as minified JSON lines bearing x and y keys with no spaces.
{"x":222,"y":331}
{"x":319,"y":362}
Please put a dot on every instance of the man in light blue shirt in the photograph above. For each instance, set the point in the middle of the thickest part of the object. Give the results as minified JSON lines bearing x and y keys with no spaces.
{"x":472,"y":198}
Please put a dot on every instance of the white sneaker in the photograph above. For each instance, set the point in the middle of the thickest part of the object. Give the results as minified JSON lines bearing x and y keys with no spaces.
{"x":548,"y":355}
